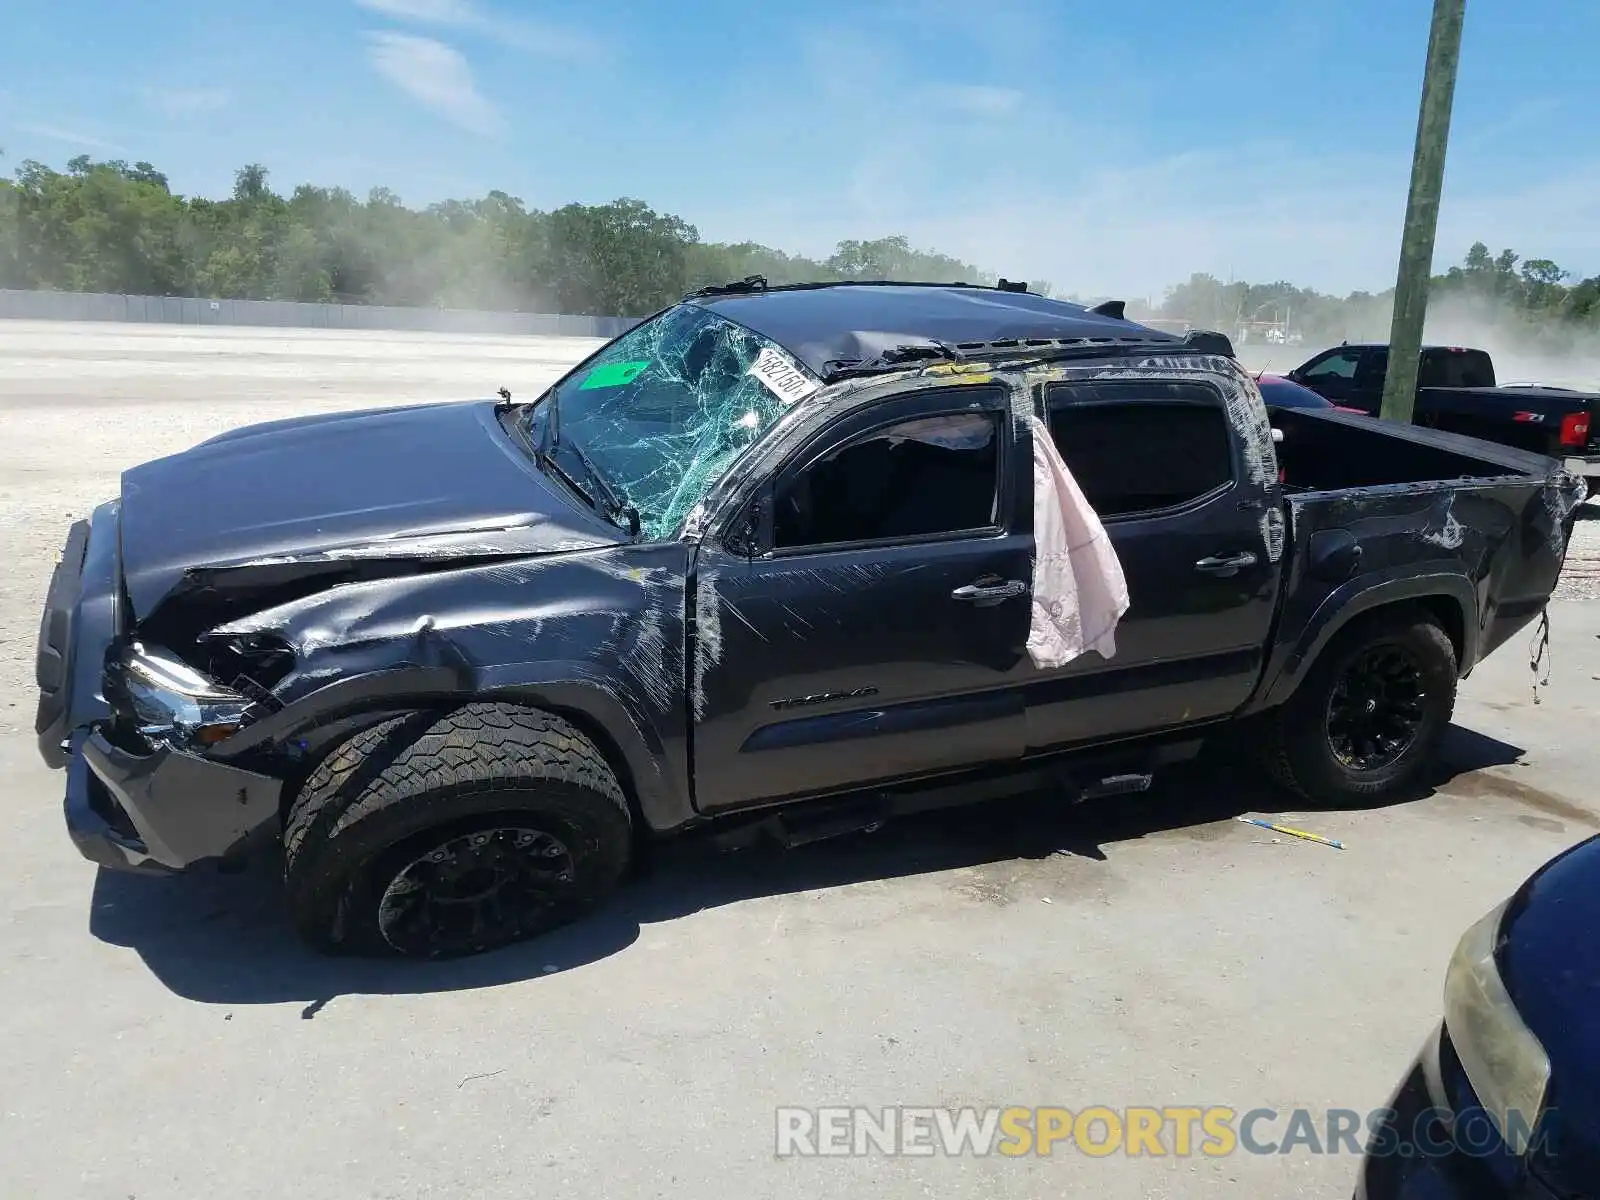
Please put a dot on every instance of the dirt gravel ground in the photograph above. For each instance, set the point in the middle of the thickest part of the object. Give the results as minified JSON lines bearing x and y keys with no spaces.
{"x":167,"y":1038}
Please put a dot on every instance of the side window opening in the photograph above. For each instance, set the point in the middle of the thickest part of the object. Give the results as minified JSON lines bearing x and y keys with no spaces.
{"x":1374,"y":365}
{"x":1113,"y":450}
{"x":1455,"y":369}
{"x":1337,"y":366}
{"x":916,"y":478}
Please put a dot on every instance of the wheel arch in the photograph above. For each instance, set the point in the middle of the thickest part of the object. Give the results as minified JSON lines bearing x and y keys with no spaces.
{"x":1449,"y":599}
{"x":650,"y":768}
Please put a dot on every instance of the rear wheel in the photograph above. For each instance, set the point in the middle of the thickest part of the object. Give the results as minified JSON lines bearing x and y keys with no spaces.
{"x":1368,"y":719}
{"x":439,"y":836}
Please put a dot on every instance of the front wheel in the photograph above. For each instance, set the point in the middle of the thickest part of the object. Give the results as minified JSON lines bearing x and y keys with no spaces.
{"x":1368,"y":719}
{"x":441,"y":836}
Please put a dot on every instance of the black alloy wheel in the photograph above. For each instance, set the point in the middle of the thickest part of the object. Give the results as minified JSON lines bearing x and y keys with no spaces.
{"x":1376,"y":708}
{"x":475,"y":891}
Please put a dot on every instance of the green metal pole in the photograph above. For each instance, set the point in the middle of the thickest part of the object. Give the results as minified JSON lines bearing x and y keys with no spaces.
{"x":1422,"y":210}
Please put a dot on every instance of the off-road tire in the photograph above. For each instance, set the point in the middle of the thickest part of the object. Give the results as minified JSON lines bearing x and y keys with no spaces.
{"x":385,"y":796}
{"x":1295,"y":747}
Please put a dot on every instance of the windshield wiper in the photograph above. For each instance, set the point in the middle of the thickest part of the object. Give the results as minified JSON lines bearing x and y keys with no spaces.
{"x":615,"y":504}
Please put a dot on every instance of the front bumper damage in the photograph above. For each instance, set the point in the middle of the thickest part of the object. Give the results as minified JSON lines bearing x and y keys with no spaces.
{"x":154,"y":809}
{"x":164,"y":811}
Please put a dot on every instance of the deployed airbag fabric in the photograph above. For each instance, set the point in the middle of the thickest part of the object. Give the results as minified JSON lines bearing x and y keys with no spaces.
{"x":1079,"y":592}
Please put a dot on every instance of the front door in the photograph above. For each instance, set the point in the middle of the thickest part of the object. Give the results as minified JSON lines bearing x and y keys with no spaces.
{"x":1332,"y":374}
{"x":879,"y":631}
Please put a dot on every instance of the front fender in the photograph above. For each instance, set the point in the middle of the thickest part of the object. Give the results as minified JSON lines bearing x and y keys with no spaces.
{"x":655,"y":768}
{"x":597,"y":636}
{"x":1298,"y":650}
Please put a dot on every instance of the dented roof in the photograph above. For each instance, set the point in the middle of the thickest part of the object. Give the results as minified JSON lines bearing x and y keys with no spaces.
{"x":843,"y":322}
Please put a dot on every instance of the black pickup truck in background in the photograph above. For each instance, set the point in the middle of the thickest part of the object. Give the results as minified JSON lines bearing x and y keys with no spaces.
{"x":765,"y":564}
{"x":1457,"y":391}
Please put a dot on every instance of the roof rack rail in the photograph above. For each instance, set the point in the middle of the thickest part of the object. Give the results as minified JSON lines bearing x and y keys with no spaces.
{"x":1208,"y":341}
{"x":739,"y":287}
{"x":758,"y":283}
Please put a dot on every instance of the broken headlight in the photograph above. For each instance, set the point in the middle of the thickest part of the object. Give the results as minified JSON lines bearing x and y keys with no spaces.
{"x":1503,"y":1060}
{"x":175,"y":704}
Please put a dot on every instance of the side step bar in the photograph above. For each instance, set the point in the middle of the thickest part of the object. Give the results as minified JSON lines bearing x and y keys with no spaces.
{"x":818,"y":820}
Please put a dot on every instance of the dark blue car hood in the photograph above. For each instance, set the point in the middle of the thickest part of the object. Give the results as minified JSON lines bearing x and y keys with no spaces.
{"x":428,"y":481}
{"x":1549,"y":956}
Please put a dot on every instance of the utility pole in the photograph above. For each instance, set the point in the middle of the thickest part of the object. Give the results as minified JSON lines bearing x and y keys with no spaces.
{"x":1422,"y":210}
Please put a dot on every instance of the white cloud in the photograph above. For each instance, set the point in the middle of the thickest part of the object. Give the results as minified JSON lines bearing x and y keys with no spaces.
{"x":184,"y":102}
{"x":554,"y":41}
{"x":1132,"y":230}
{"x":438,"y":12}
{"x":1086,"y":203}
{"x":979,"y":100}
{"x":57,"y":133}
{"x":434,"y":74}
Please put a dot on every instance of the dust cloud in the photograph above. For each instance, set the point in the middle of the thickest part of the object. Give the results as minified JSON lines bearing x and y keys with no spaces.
{"x":1524,"y":350}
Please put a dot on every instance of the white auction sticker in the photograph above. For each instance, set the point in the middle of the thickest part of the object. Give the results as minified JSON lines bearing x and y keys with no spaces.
{"x":782,"y":378}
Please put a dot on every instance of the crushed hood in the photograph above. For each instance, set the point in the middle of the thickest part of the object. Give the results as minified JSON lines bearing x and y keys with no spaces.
{"x":428,"y":481}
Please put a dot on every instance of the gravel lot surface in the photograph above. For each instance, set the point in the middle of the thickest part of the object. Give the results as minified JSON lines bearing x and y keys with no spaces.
{"x":167,"y":1039}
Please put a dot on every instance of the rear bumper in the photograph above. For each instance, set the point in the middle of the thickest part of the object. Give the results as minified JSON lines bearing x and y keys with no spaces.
{"x":162,"y":812}
{"x":1586,"y":465}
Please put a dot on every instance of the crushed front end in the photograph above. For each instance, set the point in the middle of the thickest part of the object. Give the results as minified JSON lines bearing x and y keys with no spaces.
{"x":132,"y":724}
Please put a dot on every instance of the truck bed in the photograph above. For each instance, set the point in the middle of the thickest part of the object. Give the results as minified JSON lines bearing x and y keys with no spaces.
{"x":1367,"y":499}
{"x":1527,"y":417}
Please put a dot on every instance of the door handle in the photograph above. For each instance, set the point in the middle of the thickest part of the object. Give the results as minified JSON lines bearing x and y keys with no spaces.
{"x":985,"y":594}
{"x":1226,"y":565}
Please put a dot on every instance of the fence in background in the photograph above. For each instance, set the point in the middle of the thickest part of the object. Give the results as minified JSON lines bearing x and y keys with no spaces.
{"x":184,"y":310}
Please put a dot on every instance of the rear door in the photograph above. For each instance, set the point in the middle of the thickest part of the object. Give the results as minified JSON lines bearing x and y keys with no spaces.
{"x":1162,"y":466}
{"x":878,"y":629}
{"x":1366,"y":387}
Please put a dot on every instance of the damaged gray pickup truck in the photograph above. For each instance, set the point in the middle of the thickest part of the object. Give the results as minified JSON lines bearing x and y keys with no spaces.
{"x":772,"y":562}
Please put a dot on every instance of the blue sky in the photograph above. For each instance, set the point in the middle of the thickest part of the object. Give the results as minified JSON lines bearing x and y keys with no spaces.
{"x":1111,"y":149}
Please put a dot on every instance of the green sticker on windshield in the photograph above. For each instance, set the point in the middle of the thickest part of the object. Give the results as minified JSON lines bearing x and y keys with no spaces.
{"x":613,"y":375}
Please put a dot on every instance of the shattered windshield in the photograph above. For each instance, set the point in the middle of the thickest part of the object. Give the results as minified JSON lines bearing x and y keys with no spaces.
{"x":665,"y":409}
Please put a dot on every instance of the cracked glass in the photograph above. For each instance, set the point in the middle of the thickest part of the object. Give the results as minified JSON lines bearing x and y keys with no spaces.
{"x":666,"y":409}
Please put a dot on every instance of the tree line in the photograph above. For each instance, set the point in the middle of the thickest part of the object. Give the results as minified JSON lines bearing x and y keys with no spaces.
{"x":108,"y":226}
{"x":1534,"y":300}
{"x":112,"y":227}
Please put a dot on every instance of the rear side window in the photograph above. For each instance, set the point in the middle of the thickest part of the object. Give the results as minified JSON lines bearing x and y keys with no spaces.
{"x":1374,"y":366}
{"x":1139,"y":456}
{"x":1455,"y":369}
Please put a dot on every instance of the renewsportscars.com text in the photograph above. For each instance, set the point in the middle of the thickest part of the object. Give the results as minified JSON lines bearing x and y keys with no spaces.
{"x":1099,"y":1131}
